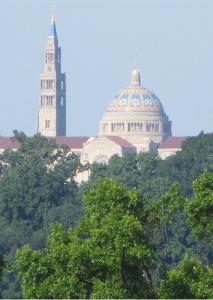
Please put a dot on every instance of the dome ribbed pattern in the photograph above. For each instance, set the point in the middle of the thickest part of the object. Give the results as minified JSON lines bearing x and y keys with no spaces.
{"x":135,"y":99}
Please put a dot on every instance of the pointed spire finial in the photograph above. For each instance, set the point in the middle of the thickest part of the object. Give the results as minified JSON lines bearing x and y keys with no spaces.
{"x":52,"y":19}
{"x":53,"y":33}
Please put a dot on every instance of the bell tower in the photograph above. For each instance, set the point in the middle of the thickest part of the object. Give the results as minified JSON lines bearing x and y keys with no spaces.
{"x":52,"y":103}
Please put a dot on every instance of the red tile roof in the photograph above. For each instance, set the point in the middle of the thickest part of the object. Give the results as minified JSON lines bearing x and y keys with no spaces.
{"x":73,"y":142}
{"x":8,"y":143}
{"x":174,"y":142}
{"x":121,"y":142}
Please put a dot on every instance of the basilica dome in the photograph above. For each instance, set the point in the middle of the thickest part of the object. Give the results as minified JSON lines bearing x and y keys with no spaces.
{"x":135,"y":98}
{"x":137,"y":115}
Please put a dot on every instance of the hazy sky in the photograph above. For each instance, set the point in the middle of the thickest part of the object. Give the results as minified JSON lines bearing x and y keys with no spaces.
{"x":172,"y":41}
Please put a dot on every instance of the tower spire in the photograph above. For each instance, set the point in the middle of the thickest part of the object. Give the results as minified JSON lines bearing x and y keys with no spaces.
{"x":52,"y":33}
{"x":52,"y":108}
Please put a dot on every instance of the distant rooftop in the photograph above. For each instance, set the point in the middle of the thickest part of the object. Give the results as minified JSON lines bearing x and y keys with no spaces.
{"x":8,"y":143}
{"x":121,"y":142}
{"x":77,"y":142}
{"x":173,"y":142}
{"x":73,"y":142}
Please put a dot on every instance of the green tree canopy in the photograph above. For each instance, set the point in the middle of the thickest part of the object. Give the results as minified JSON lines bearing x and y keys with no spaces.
{"x":107,"y":256}
{"x":189,"y":280}
{"x":37,"y":187}
{"x":152,"y":176}
{"x":200,"y":207}
{"x":116,"y":249}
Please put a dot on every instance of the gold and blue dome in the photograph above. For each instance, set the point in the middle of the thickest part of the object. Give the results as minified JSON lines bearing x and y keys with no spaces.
{"x":135,"y":98}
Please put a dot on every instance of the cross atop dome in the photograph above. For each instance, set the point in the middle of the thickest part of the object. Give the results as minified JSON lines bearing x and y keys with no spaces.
{"x":53,"y":33}
{"x":135,"y":77}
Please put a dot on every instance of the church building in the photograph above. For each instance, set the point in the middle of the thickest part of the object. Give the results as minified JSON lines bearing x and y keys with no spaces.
{"x":135,"y":120}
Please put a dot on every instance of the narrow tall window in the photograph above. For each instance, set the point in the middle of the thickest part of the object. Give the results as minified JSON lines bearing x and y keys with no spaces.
{"x":47,"y":124}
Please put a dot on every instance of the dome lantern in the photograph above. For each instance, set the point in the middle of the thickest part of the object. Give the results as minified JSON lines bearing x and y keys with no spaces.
{"x":135,"y":77}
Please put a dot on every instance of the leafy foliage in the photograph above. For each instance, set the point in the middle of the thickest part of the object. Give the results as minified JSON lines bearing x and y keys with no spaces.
{"x":107,"y":255}
{"x":113,"y":252}
{"x":37,"y":187}
{"x":152,"y":176}
{"x":200,"y":208}
{"x":189,"y":280}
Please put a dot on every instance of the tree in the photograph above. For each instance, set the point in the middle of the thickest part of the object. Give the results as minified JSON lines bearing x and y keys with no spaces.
{"x":121,"y":242}
{"x":2,"y":265}
{"x":167,"y":230}
{"x":37,"y":179}
{"x":37,"y":187}
{"x":152,"y":176}
{"x":167,"y":218}
{"x":106,"y":256}
{"x":200,"y":207}
{"x":189,"y":280}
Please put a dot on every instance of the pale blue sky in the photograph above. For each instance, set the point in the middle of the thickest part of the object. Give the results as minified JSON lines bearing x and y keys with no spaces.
{"x":172,"y":41}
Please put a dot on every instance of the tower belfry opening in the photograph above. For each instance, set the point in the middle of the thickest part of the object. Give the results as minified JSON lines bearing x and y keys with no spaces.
{"x":52,"y":106}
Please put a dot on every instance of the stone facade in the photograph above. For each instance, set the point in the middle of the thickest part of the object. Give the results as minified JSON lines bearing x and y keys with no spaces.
{"x":101,"y":149}
{"x":52,"y":102}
